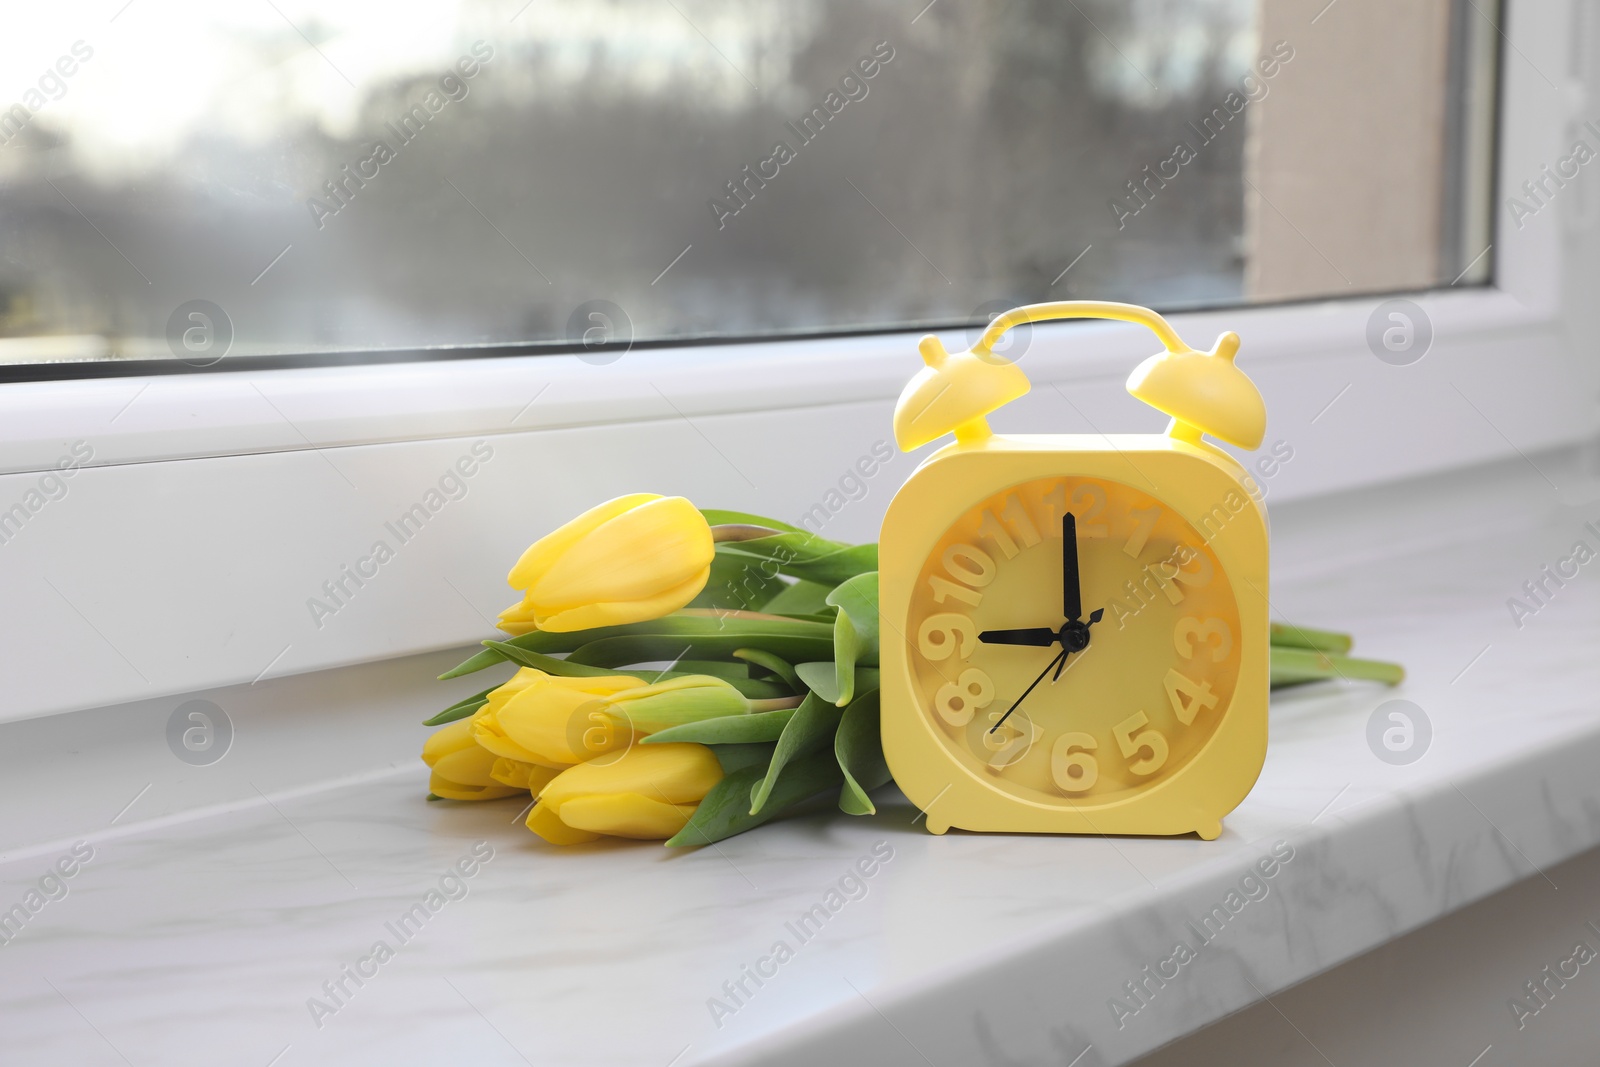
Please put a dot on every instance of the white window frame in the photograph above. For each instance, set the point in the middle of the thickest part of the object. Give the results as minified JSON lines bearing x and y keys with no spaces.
{"x":87,"y":625}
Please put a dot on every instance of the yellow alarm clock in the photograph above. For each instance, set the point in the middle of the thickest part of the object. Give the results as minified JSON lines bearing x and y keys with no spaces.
{"x":1074,"y":628}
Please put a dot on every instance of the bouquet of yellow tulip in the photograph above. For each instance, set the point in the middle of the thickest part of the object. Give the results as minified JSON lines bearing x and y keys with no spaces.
{"x":755,"y":712}
{"x":768,"y":700}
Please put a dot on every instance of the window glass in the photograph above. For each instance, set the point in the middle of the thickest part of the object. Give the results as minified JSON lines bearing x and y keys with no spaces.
{"x":204,"y":180}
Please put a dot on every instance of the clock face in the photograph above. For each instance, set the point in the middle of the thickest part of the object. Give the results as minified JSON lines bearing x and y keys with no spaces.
{"x":1073,"y":670}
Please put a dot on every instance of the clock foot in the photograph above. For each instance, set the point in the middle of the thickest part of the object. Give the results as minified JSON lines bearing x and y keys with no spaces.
{"x":935,"y":826}
{"x":1209,"y":831}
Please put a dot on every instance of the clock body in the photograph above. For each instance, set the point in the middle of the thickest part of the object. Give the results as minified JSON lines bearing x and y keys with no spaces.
{"x":1159,"y":725}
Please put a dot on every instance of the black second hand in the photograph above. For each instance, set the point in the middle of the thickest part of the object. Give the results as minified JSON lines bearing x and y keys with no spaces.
{"x":1062,"y":655}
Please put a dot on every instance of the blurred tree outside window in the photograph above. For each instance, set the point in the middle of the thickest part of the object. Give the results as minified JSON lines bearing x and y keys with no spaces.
{"x":324,"y":177}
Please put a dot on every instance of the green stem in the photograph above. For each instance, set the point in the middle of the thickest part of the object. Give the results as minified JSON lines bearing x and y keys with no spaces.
{"x":1288,"y":635}
{"x":1291,"y":666}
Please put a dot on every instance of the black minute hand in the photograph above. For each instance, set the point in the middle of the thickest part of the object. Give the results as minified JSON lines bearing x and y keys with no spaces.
{"x":1059,"y":658}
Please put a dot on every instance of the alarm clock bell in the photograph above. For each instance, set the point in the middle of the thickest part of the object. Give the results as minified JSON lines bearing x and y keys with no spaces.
{"x":1203,"y":392}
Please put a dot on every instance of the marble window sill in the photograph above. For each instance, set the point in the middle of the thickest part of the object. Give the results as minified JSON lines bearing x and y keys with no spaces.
{"x":221,"y":903}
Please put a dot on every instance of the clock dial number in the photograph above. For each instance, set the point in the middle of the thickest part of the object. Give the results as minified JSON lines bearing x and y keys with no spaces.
{"x":945,"y":633}
{"x":1192,"y":633}
{"x":1017,"y":516}
{"x":1088,"y":502}
{"x":1186,"y":557}
{"x":957,"y":701}
{"x":1014,"y":515}
{"x":970,"y":565}
{"x":1144,"y":521}
{"x":1009,"y":741}
{"x":991,"y":529}
{"x":1072,"y":767}
{"x":944,"y":589}
{"x":1164,"y":572}
{"x":1133,"y":743}
{"x":1188,"y":697}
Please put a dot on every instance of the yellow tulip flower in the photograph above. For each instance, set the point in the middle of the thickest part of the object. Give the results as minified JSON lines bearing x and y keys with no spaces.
{"x":630,"y":559}
{"x":648,"y":793}
{"x":461,"y":767}
{"x":552,"y":721}
{"x":557,"y":722}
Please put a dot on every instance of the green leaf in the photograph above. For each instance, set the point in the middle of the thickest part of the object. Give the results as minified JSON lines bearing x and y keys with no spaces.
{"x":727,"y":729}
{"x":725,"y":810}
{"x":806,"y":556}
{"x":814,"y":722}
{"x":799,"y":598}
{"x":460,"y":710}
{"x":822,"y":678}
{"x":572,"y":667}
{"x":776,"y":664}
{"x":476,"y":662}
{"x":845,"y":649}
{"x":738,"y":757}
{"x":784,"y":639}
{"x":565,"y":668}
{"x":738,"y":582}
{"x":858,"y":746}
{"x":858,"y":598}
{"x":721,"y":517}
{"x":546,"y":642}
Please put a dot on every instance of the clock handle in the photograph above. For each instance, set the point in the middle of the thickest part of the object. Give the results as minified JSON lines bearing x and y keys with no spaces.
{"x":1079,"y":309}
{"x":1203,"y":392}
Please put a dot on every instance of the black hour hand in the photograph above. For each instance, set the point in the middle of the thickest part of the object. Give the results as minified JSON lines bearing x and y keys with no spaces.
{"x":1032,"y":635}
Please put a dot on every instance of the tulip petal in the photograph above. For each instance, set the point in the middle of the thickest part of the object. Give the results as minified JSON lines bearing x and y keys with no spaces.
{"x":470,"y":766}
{"x":542,"y":553}
{"x":520,"y":775}
{"x":443,"y":742}
{"x":525,"y":676}
{"x":673,"y":774}
{"x":627,"y":815}
{"x":518,"y":619}
{"x":443,"y":787}
{"x":618,"y":613}
{"x":490,"y":735}
{"x":545,"y":823}
{"x":599,"y":685}
{"x":634,"y":556}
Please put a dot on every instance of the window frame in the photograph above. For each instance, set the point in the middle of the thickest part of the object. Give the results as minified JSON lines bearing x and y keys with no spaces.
{"x":145,"y":427}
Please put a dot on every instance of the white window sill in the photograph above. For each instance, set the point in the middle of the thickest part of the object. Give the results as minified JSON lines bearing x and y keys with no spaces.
{"x":323,"y":785}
